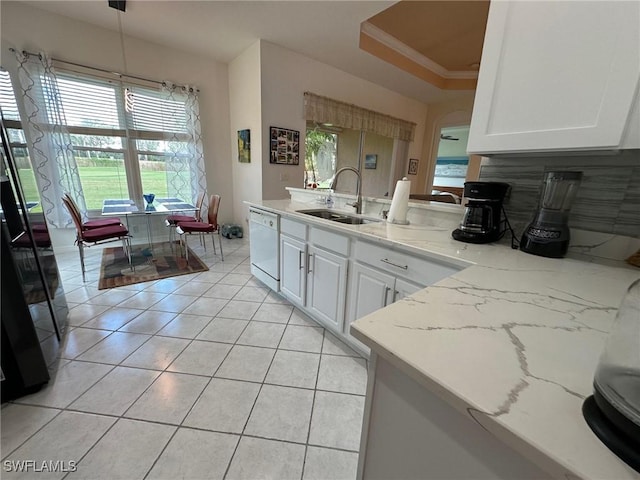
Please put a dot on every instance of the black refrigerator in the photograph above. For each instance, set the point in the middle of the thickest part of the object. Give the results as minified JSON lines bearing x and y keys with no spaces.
{"x":34,"y":308}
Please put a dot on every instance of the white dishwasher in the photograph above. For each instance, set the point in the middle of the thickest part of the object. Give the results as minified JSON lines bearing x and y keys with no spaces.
{"x":264,"y":244}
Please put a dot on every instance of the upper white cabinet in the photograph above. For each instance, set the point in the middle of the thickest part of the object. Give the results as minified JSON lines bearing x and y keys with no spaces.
{"x":558,"y":76}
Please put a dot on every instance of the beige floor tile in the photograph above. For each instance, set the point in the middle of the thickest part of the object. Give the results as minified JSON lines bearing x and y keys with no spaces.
{"x":173,"y":303}
{"x":337,"y":420}
{"x":251,"y":294}
{"x":294,"y":369}
{"x":157,"y":353}
{"x":84,"y":312}
{"x":303,"y":339}
{"x":342,"y":374}
{"x":333,"y":346}
{"x":224,"y":406}
{"x":194,"y":454}
{"x":169,"y":398}
{"x":234,"y":278}
{"x":246,"y":363}
{"x":325,"y":463}
{"x":115,"y":348}
{"x":113,"y":319}
{"x":273,"y":312}
{"x":116,"y":391}
{"x":193,"y":288}
{"x":142,"y":300}
{"x":70,"y":381}
{"x":111,"y":297}
{"x":224,"y":330}
{"x":19,"y":422}
{"x":66,"y":438}
{"x":222,"y":290}
{"x":81,"y":339}
{"x":281,"y":413}
{"x":239,"y":310}
{"x":126,"y":452}
{"x":262,"y":334}
{"x":185,"y":326}
{"x":149,"y":322}
{"x":205,"y":306}
{"x":258,"y":458}
{"x":168,"y":285}
{"x":200,"y":358}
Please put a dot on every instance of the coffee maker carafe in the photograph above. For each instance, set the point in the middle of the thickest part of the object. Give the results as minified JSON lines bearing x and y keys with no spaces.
{"x":548,"y":234}
{"x":482,"y":221}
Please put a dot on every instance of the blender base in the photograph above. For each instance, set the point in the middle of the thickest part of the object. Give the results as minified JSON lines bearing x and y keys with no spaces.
{"x":625,"y":447}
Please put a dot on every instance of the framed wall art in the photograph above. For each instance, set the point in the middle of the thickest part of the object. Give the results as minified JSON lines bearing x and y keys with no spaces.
{"x":413,"y":166}
{"x":244,"y":146}
{"x":371,"y":161}
{"x":285,"y":146}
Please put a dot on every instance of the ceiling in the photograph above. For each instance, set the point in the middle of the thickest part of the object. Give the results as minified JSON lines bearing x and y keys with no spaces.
{"x":327,"y":31}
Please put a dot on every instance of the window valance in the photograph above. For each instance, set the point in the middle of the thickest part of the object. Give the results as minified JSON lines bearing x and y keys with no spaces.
{"x":327,"y":110}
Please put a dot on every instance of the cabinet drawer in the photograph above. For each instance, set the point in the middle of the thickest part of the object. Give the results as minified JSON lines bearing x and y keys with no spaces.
{"x":330,"y":241}
{"x":293,"y":228}
{"x":414,"y":268}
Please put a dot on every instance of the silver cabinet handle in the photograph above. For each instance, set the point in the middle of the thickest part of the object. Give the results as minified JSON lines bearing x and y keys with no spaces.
{"x":309,"y":264}
{"x":386,"y":260}
{"x":300,"y":265}
{"x":385,"y":295}
{"x":395,"y":295}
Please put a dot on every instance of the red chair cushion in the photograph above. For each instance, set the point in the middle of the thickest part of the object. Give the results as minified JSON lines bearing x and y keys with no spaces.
{"x":41,"y":240}
{"x":175,"y":219}
{"x":102,"y":222}
{"x":190,"y":227}
{"x":98,"y":234}
{"x":39,"y":228}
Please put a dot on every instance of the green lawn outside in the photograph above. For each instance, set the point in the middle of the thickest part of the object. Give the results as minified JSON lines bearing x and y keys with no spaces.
{"x":99,"y":183}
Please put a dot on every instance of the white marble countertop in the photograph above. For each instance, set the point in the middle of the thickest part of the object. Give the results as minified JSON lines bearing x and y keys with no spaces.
{"x":512,"y":340}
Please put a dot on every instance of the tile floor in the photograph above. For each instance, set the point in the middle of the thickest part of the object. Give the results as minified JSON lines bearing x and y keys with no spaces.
{"x":208,"y":375}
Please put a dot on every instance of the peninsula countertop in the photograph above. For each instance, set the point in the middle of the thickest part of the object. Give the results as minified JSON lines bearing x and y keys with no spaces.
{"x":511,"y":341}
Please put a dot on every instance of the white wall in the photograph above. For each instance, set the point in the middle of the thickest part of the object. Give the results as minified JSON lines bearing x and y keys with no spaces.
{"x":286,"y":75}
{"x":28,"y":28}
{"x":245,"y":112}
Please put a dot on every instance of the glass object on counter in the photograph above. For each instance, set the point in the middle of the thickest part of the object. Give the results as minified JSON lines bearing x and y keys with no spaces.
{"x":613,"y":412}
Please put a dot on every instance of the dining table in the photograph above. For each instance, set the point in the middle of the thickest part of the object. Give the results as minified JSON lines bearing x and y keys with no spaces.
{"x":159,"y":206}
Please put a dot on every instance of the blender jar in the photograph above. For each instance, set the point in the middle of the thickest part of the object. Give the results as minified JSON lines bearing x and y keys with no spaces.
{"x":613,"y":413}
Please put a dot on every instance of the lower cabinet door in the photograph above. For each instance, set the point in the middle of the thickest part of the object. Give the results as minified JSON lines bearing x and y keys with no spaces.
{"x":293,"y":269}
{"x":326,"y":287}
{"x":369,"y":290}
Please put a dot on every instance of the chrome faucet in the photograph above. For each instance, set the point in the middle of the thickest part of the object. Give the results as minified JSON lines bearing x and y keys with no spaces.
{"x":358,"y":203}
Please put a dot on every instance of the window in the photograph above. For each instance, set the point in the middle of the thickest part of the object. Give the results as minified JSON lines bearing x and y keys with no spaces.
{"x":120,"y":153}
{"x":452,"y":160}
{"x":17,"y":140}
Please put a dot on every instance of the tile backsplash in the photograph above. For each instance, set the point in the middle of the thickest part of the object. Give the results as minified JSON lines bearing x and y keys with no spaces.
{"x":608,"y":199}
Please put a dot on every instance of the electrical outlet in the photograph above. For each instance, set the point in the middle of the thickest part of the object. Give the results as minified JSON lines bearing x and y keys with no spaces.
{"x":284,"y":177}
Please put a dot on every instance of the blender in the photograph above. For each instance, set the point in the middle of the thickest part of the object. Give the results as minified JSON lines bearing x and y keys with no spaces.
{"x":548,"y":234}
{"x":613,"y":411}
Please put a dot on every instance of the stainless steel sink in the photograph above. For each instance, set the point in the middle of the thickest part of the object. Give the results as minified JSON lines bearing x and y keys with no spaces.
{"x":338,"y":216}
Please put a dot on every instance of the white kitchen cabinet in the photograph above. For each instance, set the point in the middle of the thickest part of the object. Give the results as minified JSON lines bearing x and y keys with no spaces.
{"x":380,"y":276}
{"x":293,"y":274}
{"x":326,"y":287}
{"x":558,"y":76}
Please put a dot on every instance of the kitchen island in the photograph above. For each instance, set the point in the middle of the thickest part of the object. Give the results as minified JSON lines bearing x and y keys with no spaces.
{"x":503,"y":351}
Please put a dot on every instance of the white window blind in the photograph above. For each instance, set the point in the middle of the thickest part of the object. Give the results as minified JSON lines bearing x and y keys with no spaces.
{"x":7,"y":99}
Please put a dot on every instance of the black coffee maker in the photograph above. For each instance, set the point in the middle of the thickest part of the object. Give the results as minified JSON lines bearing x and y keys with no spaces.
{"x":482,"y":221}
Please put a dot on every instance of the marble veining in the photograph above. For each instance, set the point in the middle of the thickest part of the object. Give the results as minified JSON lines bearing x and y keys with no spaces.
{"x":512,"y":340}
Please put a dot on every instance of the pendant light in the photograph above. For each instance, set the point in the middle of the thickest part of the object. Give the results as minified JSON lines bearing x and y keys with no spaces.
{"x":129,"y":100}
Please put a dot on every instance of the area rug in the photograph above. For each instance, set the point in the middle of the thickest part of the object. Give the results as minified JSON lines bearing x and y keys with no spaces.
{"x":159,"y":261}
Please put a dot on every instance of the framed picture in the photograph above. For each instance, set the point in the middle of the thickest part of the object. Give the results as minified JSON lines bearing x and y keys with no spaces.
{"x":370,"y":161}
{"x":413,"y":166}
{"x":244,"y":146}
{"x":284,"y":146}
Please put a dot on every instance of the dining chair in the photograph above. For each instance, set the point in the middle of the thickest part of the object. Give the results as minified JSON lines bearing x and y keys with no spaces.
{"x":98,"y":235}
{"x":172,"y":220}
{"x":203,"y":228}
{"x":90,"y":224}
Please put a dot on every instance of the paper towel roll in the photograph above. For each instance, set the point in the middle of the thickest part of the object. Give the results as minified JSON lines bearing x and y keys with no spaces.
{"x":400,"y":202}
